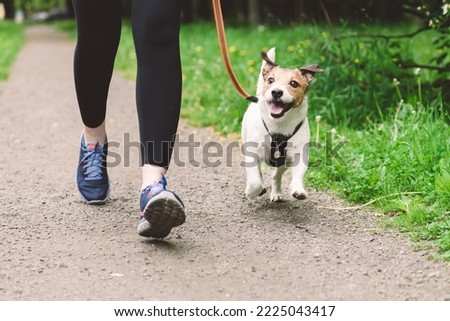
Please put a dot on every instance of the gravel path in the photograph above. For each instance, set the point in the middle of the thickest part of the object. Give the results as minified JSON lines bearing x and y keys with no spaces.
{"x":53,"y":247}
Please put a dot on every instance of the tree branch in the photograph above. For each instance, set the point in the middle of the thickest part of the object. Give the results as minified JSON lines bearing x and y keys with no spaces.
{"x":409,"y":66}
{"x":387,"y":37}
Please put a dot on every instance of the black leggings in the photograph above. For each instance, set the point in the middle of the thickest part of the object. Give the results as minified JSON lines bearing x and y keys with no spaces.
{"x":156,"y":26}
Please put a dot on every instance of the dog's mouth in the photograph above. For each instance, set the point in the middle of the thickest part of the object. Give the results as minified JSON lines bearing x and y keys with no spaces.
{"x":277,"y":108}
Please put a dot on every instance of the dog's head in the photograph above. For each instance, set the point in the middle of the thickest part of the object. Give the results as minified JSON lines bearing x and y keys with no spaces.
{"x":283,"y":88}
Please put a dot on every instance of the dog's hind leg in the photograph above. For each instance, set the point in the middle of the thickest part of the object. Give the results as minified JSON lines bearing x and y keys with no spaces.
{"x":275,"y":194}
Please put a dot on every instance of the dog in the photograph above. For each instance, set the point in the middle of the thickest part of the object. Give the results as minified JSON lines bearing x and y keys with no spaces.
{"x":275,"y":129}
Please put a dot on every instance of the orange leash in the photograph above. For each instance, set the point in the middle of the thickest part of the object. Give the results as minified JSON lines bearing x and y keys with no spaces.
{"x":220,"y":26}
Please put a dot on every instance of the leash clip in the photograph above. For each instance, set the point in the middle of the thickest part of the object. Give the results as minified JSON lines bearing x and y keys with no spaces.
{"x":253,"y":99}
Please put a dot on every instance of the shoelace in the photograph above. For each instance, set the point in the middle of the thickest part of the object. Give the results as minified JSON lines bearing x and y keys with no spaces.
{"x":161,"y":185}
{"x":93,"y":160}
{"x":151,"y":190}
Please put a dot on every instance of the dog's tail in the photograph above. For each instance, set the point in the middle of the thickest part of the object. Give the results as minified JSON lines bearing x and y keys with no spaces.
{"x":271,"y":55}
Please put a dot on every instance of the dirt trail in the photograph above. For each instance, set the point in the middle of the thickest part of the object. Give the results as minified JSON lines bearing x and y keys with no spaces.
{"x":54,"y":247}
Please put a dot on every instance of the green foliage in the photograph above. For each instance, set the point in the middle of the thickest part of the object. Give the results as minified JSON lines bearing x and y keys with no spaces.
{"x":442,"y":181}
{"x":11,"y":40}
{"x":432,"y":15}
{"x":67,"y":26}
{"x":39,"y":5}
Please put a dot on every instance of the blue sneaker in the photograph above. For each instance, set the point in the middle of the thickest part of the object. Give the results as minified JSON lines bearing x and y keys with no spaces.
{"x":161,"y":210}
{"x":92,"y":175}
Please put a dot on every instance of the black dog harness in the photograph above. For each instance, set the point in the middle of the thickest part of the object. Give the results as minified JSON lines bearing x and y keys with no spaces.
{"x":278,"y":146}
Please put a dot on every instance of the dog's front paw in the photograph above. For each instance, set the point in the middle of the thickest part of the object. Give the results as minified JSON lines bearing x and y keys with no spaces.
{"x":275,"y":197}
{"x":300,"y":195}
{"x":253,"y":191}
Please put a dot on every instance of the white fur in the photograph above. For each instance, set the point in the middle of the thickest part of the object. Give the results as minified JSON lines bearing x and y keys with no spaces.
{"x":254,"y":136}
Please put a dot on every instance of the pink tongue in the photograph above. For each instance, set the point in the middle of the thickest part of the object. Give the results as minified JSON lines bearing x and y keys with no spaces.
{"x":276,"y":109}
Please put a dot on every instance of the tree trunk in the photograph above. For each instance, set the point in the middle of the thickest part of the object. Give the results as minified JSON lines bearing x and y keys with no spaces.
{"x":253,"y":12}
{"x":204,"y":9}
{"x":299,"y":11}
{"x":69,"y":8}
{"x":9,"y":9}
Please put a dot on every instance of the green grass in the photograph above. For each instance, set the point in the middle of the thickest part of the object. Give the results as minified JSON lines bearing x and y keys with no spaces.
{"x":67,"y":26}
{"x":11,"y":40}
{"x":397,"y":148}
{"x":404,"y":161}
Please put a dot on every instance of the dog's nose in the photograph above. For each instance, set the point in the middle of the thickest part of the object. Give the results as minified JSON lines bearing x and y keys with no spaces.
{"x":277,"y":93}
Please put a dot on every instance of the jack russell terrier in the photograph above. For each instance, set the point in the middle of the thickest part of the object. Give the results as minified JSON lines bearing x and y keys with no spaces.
{"x":275,"y":129}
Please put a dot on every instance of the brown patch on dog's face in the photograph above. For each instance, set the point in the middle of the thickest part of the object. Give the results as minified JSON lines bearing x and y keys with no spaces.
{"x":290,"y":80}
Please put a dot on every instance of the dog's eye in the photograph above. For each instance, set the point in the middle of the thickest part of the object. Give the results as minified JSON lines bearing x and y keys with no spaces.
{"x":294,"y":84}
{"x":270,"y":80}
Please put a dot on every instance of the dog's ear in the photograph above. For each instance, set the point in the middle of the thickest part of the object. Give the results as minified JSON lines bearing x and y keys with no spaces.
{"x":309,"y":72}
{"x":266,"y":58}
{"x":269,"y":65}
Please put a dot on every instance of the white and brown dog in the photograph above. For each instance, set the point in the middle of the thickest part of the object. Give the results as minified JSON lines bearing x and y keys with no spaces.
{"x":275,"y":129}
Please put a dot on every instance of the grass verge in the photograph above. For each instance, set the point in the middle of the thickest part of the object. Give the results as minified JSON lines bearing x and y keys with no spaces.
{"x":401,"y":163}
{"x":12,"y":39}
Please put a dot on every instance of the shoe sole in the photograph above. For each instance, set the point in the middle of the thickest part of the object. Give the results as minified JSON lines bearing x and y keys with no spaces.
{"x":162,"y":213}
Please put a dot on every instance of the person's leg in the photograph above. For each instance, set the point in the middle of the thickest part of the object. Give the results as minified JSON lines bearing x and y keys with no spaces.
{"x":98,"y":35}
{"x":98,"y":27}
{"x":156,"y":27}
